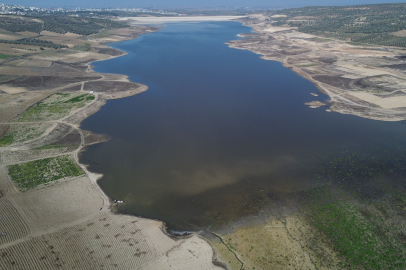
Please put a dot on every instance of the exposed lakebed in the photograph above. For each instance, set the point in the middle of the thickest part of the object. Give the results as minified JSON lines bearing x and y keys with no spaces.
{"x":219,"y":130}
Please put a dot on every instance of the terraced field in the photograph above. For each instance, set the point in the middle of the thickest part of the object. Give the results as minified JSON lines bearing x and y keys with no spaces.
{"x":12,"y":157}
{"x":53,"y":207}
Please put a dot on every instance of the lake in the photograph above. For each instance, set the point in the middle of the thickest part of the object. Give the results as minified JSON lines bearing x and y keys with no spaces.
{"x":219,"y":130}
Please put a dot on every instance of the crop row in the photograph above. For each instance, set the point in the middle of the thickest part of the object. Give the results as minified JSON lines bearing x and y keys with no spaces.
{"x":387,"y":40}
{"x":58,"y":24}
{"x":34,"y":42}
{"x":103,"y":241}
{"x":12,"y":227}
{"x":34,"y":254}
{"x":372,"y":24}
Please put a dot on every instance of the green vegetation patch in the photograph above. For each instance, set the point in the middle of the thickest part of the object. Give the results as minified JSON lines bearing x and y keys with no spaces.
{"x":34,"y":42}
{"x":6,"y":140}
{"x":353,"y":232}
{"x":31,"y":174}
{"x":80,"y":98}
{"x":55,"y":107}
{"x":58,"y":24}
{"x":6,"y":78}
{"x":5,"y":56}
{"x":19,"y":133}
{"x":370,"y":24}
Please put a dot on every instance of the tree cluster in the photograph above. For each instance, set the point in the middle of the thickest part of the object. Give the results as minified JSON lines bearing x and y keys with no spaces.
{"x":34,"y":42}
{"x":372,"y":24}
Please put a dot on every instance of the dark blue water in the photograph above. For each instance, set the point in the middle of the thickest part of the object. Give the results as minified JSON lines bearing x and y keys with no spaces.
{"x":217,"y":127}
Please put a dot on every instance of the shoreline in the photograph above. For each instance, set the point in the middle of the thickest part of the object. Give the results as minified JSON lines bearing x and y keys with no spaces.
{"x":216,"y":260}
{"x":351,"y":76}
{"x":291,"y":235}
{"x":95,"y":177}
{"x":60,"y":214}
{"x":76,"y":203}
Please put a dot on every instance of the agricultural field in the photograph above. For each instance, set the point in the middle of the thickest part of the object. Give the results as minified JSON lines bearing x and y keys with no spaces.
{"x":36,"y":251}
{"x":13,"y":25}
{"x":15,"y":157}
{"x":19,"y":133}
{"x":34,"y":42}
{"x":13,"y":105}
{"x":55,"y":107}
{"x":12,"y":225}
{"x":58,"y":24}
{"x":31,"y":174}
{"x":367,"y":24}
{"x":69,"y":142}
{"x":107,"y":242}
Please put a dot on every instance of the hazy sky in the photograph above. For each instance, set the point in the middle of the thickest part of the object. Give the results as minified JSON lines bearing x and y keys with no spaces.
{"x":191,"y":3}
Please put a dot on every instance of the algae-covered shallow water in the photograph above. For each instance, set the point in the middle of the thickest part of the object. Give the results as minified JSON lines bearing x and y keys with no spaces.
{"x":218,"y":131}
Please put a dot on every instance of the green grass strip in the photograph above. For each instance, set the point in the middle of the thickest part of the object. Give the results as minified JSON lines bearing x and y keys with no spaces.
{"x":5,"y":56}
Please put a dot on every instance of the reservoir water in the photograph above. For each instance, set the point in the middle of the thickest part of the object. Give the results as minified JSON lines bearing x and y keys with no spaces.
{"x":218,"y":131}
